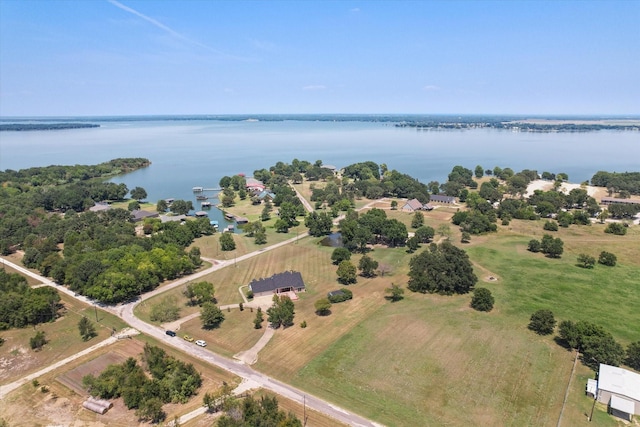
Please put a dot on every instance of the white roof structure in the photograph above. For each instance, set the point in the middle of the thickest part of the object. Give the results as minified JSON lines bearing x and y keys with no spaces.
{"x":619,"y":381}
{"x":592,"y":386}
{"x":621,"y":404}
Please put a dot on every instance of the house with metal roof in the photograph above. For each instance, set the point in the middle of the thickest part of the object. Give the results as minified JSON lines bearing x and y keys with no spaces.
{"x":438,"y":198}
{"x":412,"y":205}
{"x":619,"y":389}
{"x":288,"y":281}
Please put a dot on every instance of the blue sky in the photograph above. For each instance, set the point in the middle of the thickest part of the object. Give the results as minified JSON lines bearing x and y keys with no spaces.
{"x":126,"y":57}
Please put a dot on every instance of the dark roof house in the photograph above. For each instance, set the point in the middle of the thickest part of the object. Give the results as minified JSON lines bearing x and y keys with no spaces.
{"x":289,"y":281}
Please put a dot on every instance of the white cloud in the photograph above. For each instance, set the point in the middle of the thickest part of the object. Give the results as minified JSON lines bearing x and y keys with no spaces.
{"x":430,"y":88}
{"x":314,"y":87}
{"x":263,"y":45}
{"x":355,"y":10}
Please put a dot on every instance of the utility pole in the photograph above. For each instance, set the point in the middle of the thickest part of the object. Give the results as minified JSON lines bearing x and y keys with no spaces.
{"x":96,"y":309}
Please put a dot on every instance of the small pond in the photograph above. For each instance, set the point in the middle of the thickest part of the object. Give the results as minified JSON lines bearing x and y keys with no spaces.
{"x":333,"y":240}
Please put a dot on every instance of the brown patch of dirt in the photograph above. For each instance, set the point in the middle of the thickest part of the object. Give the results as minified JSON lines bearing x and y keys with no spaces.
{"x":19,"y":359}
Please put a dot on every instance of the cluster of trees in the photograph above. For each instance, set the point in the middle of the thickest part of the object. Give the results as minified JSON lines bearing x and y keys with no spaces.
{"x":319,"y":223}
{"x":257,"y":231}
{"x":166,"y":380}
{"x":616,"y":228}
{"x":22,"y":305}
{"x":547,"y":245}
{"x":282,"y":311}
{"x":623,"y":210}
{"x":371,"y":227}
{"x":594,"y":342}
{"x":623,"y":183}
{"x":103,"y":257}
{"x":251,"y":413}
{"x":605,"y":258}
{"x":478,"y":219}
{"x":198,"y":293}
{"x":443,"y":269}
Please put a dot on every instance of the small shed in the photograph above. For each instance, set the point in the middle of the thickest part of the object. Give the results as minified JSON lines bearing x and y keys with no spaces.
{"x":621,"y":407}
{"x":592,"y":388}
{"x":201,"y":214}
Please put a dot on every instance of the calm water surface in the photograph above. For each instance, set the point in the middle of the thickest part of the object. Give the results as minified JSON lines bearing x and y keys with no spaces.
{"x":185,"y":154}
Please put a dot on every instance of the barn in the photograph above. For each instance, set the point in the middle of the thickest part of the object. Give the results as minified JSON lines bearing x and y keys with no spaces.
{"x":619,"y":389}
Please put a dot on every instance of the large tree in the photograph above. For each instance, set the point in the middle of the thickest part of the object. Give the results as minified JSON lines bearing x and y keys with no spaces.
{"x":367,"y":266}
{"x":226,"y":242}
{"x":542,"y":322}
{"x":443,"y":269}
{"x":346,"y":272}
{"x":482,"y":299}
{"x":211,"y":316}
{"x":139,"y":193}
{"x":633,"y":355}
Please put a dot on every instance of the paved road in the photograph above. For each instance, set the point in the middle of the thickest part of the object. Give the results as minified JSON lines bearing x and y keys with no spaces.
{"x":125,"y":311}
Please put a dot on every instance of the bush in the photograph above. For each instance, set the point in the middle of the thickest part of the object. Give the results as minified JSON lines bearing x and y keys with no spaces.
{"x":586,"y":261}
{"x":542,"y":322}
{"x":38,"y":341}
{"x":633,"y":355}
{"x":482,"y":299}
{"x":340,"y":295}
{"x":616,"y":228}
{"x":551,"y":226}
{"x":607,"y":258}
{"x":303,"y":324}
{"x":534,"y":245}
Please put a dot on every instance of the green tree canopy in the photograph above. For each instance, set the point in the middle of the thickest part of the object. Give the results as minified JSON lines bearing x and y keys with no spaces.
{"x":443,"y":269}
{"x":542,"y":322}
{"x":482,"y":299}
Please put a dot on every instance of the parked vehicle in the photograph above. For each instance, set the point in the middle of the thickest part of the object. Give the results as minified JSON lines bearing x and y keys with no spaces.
{"x":170,"y":333}
{"x":188,"y":338}
{"x":201,"y":343}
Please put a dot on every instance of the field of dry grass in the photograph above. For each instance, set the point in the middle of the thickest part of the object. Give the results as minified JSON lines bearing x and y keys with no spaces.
{"x":61,"y":405}
{"x":16,"y":357}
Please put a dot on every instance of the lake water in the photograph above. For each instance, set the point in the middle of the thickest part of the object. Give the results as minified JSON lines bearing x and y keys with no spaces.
{"x":186,"y":154}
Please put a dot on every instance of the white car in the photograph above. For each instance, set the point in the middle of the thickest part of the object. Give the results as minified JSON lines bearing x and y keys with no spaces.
{"x":201,"y":343}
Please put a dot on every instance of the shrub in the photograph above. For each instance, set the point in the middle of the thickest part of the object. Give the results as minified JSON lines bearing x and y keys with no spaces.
{"x":482,"y":299}
{"x":38,"y":341}
{"x":303,"y":324}
{"x":607,"y":258}
{"x":542,"y":322}
{"x":551,"y":226}
{"x":534,"y":245}
{"x":586,"y":261}
{"x":616,"y":228}
{"x":340,"y":295}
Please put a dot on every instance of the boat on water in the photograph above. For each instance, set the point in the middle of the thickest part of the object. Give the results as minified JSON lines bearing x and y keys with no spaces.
{"x":201,"y":197}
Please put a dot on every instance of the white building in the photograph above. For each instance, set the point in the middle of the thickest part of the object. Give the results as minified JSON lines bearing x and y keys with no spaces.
{"x":619,"y":389}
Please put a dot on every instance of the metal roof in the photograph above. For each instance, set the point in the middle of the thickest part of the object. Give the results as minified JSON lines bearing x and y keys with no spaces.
{"x":619,"y":381}
{"x":287,"y":279}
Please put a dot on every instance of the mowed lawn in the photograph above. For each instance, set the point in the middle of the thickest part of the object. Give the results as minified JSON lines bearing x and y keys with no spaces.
{"x":431,"y":359}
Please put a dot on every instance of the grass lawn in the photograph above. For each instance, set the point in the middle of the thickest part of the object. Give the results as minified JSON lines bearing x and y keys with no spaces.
{"x":235,"y":334}
{"x":63,"y":336}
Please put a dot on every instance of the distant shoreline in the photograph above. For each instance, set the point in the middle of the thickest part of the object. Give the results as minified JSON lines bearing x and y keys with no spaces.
{"x":26,"y":127}
{"x":420,"y":122}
